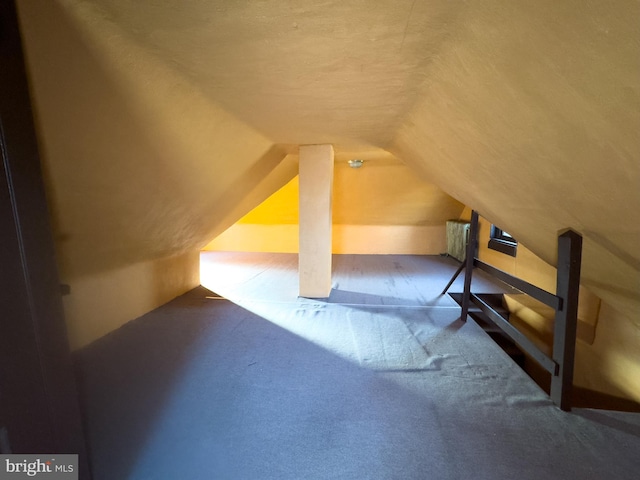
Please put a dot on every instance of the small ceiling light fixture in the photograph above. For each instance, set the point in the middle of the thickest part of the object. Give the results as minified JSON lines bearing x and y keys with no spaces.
{"x":355,"y":163}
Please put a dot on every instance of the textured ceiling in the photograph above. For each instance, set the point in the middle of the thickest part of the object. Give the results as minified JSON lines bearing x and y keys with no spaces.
{"x":158,"y":118}
{"x":302,"y":71}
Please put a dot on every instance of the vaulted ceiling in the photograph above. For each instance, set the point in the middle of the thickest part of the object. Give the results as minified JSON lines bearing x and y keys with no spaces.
{"x":162,"y":122}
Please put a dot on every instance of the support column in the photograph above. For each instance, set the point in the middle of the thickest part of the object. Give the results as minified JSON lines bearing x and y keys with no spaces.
{"x":316,"y":185}
{"x":472,"y":248}
{"x":566,"y":320}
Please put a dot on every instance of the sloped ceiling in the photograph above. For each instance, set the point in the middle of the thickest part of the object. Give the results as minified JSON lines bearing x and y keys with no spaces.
{"x":526,"y":111}
{"x":341,"y":72}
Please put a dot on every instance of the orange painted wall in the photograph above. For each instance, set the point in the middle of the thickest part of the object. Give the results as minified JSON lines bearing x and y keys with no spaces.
{"x":381,"y":208}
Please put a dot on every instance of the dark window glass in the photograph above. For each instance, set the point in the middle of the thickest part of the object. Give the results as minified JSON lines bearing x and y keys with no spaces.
{"x":502,"y":241}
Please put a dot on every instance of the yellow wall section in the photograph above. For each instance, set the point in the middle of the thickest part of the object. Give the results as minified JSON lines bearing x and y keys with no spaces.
{"x":279,"y":208}
{"x":272,"y":226}
{"x":102,"y":302}
{"x":612,"y":364}
{"x":252,"y":237}
{"x":387,"y":192}
{"x":360,"y":239}
{"x":389,"y":239}
{"x":379,"y":208}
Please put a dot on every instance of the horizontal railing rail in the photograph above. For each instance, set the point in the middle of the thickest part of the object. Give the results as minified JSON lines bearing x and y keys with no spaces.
{"x":516,"y":335}
{"x":565,"y":303}
{"x":538,"y":293}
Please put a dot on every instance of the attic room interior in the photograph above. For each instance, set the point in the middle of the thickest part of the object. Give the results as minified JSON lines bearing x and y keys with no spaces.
{"x":178,"y":178}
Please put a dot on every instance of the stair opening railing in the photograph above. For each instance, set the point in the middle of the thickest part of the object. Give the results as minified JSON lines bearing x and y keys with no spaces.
{"x":565,"y":303}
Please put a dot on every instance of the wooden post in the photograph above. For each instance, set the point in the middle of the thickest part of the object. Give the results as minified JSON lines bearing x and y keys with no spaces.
{"x":566,"y":320}
{"x":316,"y":183}
{"x":472,"y":246}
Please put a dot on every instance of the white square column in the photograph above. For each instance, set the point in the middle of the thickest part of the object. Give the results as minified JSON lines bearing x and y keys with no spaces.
{"x":315,"y":201}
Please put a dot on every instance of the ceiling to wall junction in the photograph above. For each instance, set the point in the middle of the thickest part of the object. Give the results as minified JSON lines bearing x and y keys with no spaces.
{"x":173,"y":112}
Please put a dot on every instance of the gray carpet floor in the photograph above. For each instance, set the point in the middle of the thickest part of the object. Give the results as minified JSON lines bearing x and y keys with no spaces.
{"x":241,"y":379}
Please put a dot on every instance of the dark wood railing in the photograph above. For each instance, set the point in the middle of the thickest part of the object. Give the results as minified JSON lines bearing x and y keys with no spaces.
{"x":564,"y":302}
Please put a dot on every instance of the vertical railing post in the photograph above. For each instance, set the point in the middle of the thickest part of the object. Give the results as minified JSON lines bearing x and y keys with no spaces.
{"x":472,"y":246}
{"x":566,"y":320}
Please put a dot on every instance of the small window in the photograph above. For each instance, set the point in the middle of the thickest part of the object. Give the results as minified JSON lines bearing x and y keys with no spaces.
{"x":502,"y":241}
